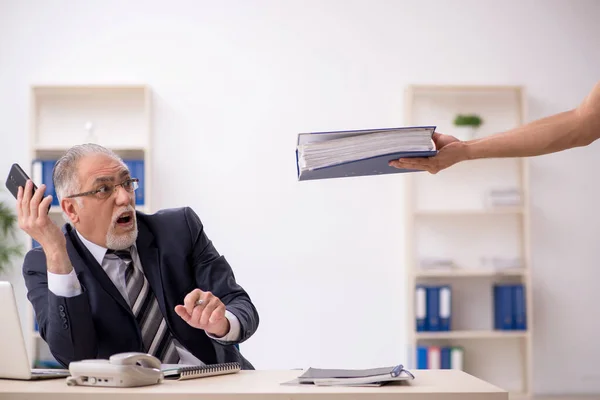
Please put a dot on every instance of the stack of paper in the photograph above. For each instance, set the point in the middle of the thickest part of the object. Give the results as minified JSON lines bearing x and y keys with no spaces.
{"x":355,"y":377}
{"x":355,"y":153}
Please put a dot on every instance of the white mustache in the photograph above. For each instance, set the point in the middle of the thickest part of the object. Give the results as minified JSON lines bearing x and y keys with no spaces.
{"x":124,"y":210}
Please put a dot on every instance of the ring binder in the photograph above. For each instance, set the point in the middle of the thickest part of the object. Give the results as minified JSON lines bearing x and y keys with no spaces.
{"x":201,"y":371}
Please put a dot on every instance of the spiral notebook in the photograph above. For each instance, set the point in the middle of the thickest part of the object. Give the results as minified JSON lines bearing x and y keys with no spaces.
{"x":181,"y":372}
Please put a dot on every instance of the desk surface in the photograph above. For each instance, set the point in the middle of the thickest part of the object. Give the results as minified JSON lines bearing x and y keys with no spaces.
{"x":255,"y":385}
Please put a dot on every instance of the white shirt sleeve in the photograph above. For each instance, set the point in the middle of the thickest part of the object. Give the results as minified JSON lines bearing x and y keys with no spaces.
{"x":234,"y":329}
{"x":64,"y":285}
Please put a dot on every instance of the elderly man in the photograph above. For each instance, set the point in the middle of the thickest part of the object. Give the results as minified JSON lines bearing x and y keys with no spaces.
{"x":115,"y":280}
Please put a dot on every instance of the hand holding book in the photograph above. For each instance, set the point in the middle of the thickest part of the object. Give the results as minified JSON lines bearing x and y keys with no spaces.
{"x":322,"y":155}
{"x":450,"y":151}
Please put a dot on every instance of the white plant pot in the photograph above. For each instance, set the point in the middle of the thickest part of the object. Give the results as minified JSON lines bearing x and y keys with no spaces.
{"x":465,"y":132}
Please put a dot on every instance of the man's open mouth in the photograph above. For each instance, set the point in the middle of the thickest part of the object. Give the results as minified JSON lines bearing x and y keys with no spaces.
{"x":125,"y":218}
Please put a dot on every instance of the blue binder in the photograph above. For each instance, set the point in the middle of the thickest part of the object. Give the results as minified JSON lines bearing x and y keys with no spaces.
{"x":519,"y":307}
{"x":421,"y":308}
{"x":136,"y":169}
{"x":433,"y":308}
{"x":422,"y":354}
{"x":445,"y":307}
{"x":364,"y":167}
{"x":45,"y":169}
{"x":503,"y":307}
{"x":445,"y":358}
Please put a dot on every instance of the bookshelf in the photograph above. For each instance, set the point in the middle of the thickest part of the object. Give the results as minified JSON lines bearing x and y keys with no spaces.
{"x":458,"y":236}
{"x":61,"y":116}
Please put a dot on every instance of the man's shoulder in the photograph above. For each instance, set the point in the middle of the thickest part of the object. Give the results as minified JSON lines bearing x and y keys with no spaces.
{"x":165,"y":213}
{"x":170,"y":216}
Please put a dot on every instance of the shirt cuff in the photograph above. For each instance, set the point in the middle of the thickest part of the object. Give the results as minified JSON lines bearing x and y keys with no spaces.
{"x":64,"y":285}
{"x":234,"y":329}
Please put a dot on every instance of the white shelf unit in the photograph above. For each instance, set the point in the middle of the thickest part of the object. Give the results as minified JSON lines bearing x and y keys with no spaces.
{"x":60,"y":117}
{"x":449,"y":217}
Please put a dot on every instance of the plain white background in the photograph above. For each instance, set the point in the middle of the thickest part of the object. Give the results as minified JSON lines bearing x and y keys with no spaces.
{"x":233,"y":84}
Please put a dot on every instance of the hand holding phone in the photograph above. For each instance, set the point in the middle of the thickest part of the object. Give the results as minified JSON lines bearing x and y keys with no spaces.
{"x":17,"y":177}
{"x":32,"y":210}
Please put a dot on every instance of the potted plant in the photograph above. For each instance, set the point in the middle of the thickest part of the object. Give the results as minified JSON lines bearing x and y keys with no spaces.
{"x":8,"y":249}
{"x":466,"y":126}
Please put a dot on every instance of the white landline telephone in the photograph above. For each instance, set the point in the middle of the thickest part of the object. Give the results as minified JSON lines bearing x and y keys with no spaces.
{"x":121,"y":370}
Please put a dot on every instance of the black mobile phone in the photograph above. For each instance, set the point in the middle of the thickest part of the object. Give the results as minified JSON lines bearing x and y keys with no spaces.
{"x":17,"y":177}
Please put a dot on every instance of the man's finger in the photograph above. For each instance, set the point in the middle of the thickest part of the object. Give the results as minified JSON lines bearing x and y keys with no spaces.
{"x":190,"y":300}
{"x":182,"y":312}
{"x":34,"y":204}
{"x":218,"y":314}
{"x":19,"y":199}
{"x":43,"y":208}
{"x":208,"y":311}
{"x":415,"y":163}
{"x":25,"y":199}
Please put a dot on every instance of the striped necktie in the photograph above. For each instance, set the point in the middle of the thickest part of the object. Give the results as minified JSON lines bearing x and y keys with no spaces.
{"x":156,"y":336}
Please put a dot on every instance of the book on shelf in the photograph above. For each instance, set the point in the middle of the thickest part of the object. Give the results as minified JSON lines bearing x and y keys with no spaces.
{"x":41,"y":173}
{"x":510,"y":311}
{"x":433,"y":308}
{"x":325,"y":155}
{"x":136,"y":169}
{"x":440,"y":357}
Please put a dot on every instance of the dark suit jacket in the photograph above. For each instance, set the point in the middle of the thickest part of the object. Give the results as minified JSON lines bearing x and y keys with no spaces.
{"x":176,"y":256}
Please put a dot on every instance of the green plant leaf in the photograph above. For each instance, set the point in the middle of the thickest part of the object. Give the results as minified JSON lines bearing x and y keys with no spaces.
{"x":8,"y":225}
{"x":468,"y":120}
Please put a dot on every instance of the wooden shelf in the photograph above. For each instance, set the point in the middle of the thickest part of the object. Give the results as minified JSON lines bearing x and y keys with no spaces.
{"x":62,"y":149}
{"x":478,"y":334}
{"x":465,"y":88}
{"x":450,"y":216}
{"x":116,"y":116}
{"x":466,"y":212}
{"x":469,"y":273}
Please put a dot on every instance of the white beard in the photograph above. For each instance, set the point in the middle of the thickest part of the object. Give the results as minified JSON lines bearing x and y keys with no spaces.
{"x":121,"y":241}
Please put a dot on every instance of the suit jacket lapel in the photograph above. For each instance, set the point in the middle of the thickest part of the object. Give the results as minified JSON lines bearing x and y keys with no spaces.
{"x":149,"y":257}
{"x":82,"y":260}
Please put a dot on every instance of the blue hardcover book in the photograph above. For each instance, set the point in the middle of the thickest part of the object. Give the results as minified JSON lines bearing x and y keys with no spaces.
{"x":503,"y":307}
{"x":433,"y":308}
{"x":48,"y":168}
{"x":136,"y":169}
{"x":41,"y":173}
{"x":445,"y":308}
{"x":445,"y":356}
{"x":422,"y":357}
{"x":519,"y":307}
{"x":326,"y":155}
{"x":421,"y":308}
{"x":139,"y":172}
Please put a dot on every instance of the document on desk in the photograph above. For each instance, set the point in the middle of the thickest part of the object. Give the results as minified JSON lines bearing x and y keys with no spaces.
{"x":353,"y":377}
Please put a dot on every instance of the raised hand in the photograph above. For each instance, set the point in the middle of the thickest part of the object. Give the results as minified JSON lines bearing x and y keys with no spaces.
{"x":32,"y":215}
{"x":204,"y":310}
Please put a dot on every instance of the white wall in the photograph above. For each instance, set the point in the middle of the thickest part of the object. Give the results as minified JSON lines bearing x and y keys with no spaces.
{"x":234,"y":83}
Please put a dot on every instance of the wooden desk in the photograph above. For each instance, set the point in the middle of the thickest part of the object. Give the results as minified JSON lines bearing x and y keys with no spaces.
{"x":259,"y":385}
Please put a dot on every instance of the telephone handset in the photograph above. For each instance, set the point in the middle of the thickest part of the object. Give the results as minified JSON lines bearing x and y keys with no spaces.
{"x":121,"y":370}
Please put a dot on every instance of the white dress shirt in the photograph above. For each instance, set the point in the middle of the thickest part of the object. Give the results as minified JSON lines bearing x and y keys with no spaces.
{"x":67,"y":285}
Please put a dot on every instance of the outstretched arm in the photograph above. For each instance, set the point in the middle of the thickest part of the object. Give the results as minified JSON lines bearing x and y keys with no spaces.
{"x":574,"y":128}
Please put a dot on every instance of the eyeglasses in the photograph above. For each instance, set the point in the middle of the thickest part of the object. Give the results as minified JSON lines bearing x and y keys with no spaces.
{"x":106,"y":190}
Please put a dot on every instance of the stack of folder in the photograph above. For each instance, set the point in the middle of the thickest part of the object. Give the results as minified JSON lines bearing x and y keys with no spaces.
{"x":323,"y":155}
